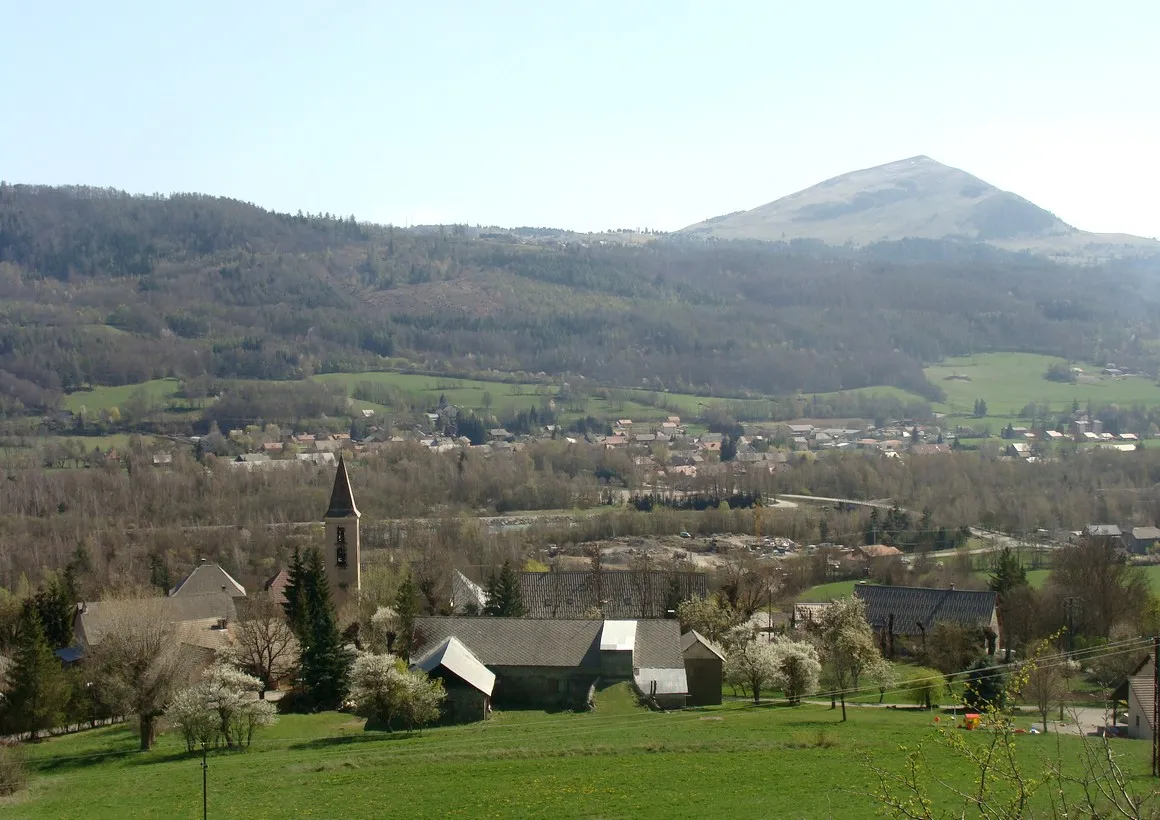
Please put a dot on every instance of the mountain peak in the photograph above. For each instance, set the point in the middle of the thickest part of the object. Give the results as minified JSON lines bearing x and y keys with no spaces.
{"x":913,"y":198}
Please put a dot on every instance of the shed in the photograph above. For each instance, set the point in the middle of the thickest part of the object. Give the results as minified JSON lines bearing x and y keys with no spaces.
{"x":704,"y":668}
{"x":468,"y":682}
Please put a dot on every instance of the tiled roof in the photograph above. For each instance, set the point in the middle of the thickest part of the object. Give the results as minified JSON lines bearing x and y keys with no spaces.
{"x":464,"y":591}
{"x":618,"y":594}
{"x":516,"y":641}
{"x":207,"y":578}
{"x":276,"y":586}
{"x":912,"y":606}
{"x":341,"y":497}
{"x":96,"y":617}
{"x":544,"y":642}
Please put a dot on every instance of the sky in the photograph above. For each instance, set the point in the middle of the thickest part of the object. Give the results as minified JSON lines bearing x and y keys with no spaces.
{"x":583,"y":115}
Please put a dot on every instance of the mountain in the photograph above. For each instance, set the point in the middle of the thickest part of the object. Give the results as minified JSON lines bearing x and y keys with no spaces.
{"x":98,"y":287}
{"x":917,"y":198}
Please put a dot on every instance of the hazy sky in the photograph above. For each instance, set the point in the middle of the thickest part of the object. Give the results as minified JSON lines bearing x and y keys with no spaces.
{"x":581,"y":115}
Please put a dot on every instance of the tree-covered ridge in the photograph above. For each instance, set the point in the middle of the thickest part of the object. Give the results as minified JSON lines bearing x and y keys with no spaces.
{"x":99,"y":287}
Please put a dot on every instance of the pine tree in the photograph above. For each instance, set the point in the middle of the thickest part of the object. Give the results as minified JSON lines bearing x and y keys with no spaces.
{"x":325,"y":662}
{"x":55,"y":603}
{"x":295,"y":604}
{"x":504,"y":598}
{"x":1009,"y":573}
{"x":39,"y":691}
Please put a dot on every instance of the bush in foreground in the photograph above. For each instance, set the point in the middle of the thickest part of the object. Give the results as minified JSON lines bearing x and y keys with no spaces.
{"x":384,"y":691}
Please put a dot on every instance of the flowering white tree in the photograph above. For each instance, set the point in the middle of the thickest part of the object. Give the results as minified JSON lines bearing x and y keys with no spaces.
{"x":384,"y":625}
{"x":223,"y":708}
{"x":796,"y":668}
{"x":752,"y":665}
{"x":848,"y":646}
{"x":383,"y":690}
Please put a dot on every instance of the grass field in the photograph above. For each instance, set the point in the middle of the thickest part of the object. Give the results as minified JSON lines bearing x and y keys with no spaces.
{"x":737,"y":761}
{"x":104,"y":398}
{"x":1009,"y":381}
{"x":823,"y":593}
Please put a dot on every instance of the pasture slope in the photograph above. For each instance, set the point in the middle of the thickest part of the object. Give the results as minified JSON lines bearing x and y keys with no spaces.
{"x":733,"y":761}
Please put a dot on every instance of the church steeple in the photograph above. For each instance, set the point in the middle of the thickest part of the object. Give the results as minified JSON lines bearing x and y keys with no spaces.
{"x":341,"y":497}
{"x":344,"y":549}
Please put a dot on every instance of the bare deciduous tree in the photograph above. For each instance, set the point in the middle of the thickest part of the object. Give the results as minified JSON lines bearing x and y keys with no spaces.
{"x":265,"y":646}
{"x":138,"y":661}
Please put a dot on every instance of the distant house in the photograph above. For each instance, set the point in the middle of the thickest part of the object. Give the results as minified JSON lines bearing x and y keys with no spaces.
{"x":913,"y":612}
{"x":704,"y":668}
{"x":871,"y":551}
{"x":1019,"y":449}
{"x":558,"y":663}
{"x":207,"y":578}
{"x":1141,"y":540}
{"x":1109,"y":532}
{"x":613,"y":593}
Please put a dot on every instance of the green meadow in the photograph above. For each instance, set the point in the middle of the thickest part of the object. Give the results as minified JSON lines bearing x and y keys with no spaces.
{"x":736,"y":761}
{"x":1010,"y":381}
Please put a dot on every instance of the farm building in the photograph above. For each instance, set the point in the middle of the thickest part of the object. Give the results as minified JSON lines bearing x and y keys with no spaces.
{"x":468,"y":682}
{"x":913,"y":612}
{"x":872,"y":551}
{"x":548,"y":663}
{"x":704,"y":669}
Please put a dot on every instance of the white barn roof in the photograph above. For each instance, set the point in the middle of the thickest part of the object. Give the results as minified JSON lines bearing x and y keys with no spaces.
{"x":456,"y":658}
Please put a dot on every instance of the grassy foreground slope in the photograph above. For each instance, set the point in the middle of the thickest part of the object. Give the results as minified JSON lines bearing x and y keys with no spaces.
{"x":735,"y":761}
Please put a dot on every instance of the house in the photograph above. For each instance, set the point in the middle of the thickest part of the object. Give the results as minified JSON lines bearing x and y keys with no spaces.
{"x":912,"y":612}
{"x":1141,"y":540}
{"x":540,"y":663}
{"x":872,"y":551}
{"x":201,"y":622}
{"x":207,"y":578}
{"x":1018,"y":449}
{"x":1109,"y":532}
{"x":612,"y":593}
{"x":468,"y":683}
{"x":1142,"y":705}
{"x":704,"y":668}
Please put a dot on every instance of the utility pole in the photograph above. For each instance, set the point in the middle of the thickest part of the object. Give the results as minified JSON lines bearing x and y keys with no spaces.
{"x":204,"y":783}
{"x":1155,"y":706}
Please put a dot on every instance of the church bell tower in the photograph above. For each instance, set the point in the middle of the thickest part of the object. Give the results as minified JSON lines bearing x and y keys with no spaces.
{"x":342,"y":554}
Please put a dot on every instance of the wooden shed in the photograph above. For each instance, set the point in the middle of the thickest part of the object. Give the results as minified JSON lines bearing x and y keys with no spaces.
{"x":704,"y":668}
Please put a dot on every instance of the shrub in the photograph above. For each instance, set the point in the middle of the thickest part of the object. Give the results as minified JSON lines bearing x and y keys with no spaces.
{"x":221,"y":709}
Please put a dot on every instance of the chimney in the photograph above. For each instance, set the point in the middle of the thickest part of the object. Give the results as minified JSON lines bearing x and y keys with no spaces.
{"x":952,"y":587}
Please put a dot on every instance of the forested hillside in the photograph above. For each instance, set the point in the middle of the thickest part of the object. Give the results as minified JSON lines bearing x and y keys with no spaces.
{"x":99,"y":287}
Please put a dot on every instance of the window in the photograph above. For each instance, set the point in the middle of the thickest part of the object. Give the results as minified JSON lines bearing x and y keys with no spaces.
{"x":340,"y":556}
{"x":340,"y":534}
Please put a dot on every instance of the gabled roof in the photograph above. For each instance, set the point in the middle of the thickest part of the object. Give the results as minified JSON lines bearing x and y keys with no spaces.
{"x":694,"y":637}
{"x":207,"y":578}
{"x":618,"y":636}
{"x":341,"y":497}
{"x":1103,"y":530}
{"x":276,"y":586}
{"x":1146,"y":533}
{"x":499,"y":642}
{"x":616,"y":593}
{"x":464,"y":591}
{"x":878,"y":550}
{"x":456,"y":658}
{"x":918,"y":609}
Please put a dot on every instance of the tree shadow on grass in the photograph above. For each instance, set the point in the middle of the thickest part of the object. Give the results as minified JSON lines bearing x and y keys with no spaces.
{"x":367,"y":736}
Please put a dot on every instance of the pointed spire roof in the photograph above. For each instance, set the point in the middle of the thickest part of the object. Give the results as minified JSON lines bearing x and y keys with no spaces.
{"x":341,"y":497}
